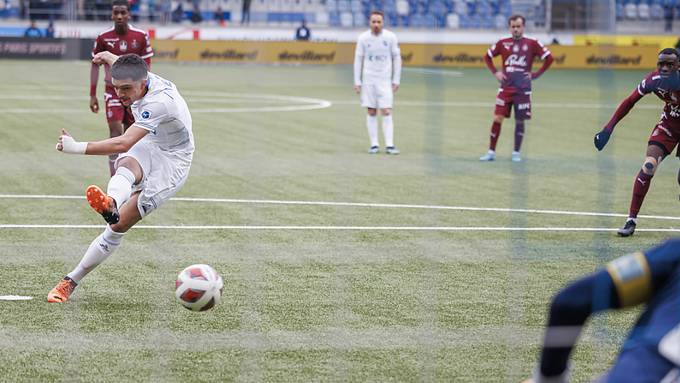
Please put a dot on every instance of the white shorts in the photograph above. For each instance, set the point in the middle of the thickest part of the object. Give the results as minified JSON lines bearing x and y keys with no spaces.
{"x":164,"y":174}
{"x":377,"y":96}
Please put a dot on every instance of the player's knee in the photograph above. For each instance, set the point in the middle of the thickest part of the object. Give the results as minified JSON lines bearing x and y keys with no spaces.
{"x":649,"y":166}
{"x":386,"y":112}
{"x":498,"y":118}
{"x":372,"y":112}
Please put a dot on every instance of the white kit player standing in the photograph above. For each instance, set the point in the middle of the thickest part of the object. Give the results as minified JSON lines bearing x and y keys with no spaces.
{"x":377,"y":73}
{"x":155,"y":156}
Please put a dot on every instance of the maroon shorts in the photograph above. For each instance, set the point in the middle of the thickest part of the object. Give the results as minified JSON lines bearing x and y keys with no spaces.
{"x":666,"y":135}
{"x":115,"y":110}
{"x":521,"y":99}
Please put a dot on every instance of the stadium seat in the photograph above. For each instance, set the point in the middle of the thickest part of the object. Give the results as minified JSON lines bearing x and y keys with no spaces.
{"x":630,"y":11}
{"x":655,"y":11}
{"x":500,"y":21}
{"x":453,"y":21}
{"x":643,"y":11}
{"x":334,"y":19}
{"x":346,"y":19}
{"x":355,"y":6}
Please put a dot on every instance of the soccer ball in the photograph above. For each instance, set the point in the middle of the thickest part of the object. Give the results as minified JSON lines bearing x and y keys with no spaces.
{"x":199,"y":287}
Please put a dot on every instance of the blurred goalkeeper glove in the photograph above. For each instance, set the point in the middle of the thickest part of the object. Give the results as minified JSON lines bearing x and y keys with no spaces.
{"x":601,"y":139}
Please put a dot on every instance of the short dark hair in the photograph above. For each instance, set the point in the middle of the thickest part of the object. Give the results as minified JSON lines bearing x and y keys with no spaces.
{"x":669,"y":51}
{"x":377,"y":12}
{"x":120,"y":3}
{"x":515,"y":17}
{"x":129,"y":66}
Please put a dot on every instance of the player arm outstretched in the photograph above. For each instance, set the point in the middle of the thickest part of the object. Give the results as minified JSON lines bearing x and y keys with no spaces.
{"x":626,"y":105}
{"x":625,"y":282}
{"x":113,"y":145}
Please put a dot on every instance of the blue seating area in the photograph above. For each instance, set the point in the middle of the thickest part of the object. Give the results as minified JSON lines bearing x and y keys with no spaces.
{"x":646,"y":9}
{"x":430,"y":14}
{"x":417,"y":14}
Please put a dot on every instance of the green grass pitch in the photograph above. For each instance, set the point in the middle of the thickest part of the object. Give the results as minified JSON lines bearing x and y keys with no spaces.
{"x":301,"y":305}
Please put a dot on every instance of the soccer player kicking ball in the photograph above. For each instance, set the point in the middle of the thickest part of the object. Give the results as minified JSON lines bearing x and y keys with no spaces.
{"x":518,"y":53}
{"x":377,"y":72}
{"x":155,"y":157}
{"x":651,"y":353}
{"x":664,"y":82}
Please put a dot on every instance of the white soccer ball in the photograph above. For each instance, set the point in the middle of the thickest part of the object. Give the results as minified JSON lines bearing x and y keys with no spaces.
{"x":199,"y":287}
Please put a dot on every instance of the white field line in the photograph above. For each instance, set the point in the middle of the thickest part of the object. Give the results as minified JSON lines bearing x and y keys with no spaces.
{"x":298,"y":103}
{"x":307,"y":103}
{"x":343,"y":228}
{"x":365,"y":204}
{"x":437,"y":72}
{"x":14,"y":298}
{"x":485,"y":104}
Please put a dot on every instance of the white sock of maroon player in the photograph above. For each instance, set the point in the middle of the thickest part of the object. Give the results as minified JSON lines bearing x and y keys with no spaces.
{"x":120,"y":185}
{"x":372,"y":125}
{"x":388,"y":130}
{"x":519,"y":134}
{"x":495,"y":133}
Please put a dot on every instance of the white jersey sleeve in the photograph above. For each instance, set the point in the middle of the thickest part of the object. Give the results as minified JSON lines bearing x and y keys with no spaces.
{"x":151,"y":116}
{"x":396,"y":61}
{"x":359,"y":54}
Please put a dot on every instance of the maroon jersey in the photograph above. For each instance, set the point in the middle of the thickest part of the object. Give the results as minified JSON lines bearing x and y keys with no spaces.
{"x":667,"y":89}
{"x":518,"y":56}
{"x":134,"y":41}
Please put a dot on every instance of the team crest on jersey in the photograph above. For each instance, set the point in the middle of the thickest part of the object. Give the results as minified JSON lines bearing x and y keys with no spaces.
{"x":525,"y":47}
{"x":134,"y":44}
{"x":384,"y":43}
{"x":146,"y":114}
{"x":123,"y":46}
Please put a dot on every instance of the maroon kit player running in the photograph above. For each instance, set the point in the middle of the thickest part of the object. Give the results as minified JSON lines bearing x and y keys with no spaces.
{"x":664,"y":82}
{"x":119,"y":40}
{"x":518,"y":53}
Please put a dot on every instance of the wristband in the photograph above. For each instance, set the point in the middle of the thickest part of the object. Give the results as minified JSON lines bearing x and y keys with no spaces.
{"x":71,"y":146}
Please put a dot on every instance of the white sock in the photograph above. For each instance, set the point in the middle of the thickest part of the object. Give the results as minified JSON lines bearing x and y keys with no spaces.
{"x":120,"y":185}
{"x":100,"y":249}
{"x":388,"y":130}
{"x":372,"y":125}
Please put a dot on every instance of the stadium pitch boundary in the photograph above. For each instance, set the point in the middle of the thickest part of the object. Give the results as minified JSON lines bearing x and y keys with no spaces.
{"x":365,"y":204}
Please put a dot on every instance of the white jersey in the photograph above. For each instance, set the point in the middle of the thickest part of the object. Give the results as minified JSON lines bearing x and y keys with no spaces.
{"x":377,"y":59}
{"x":164,"y":113}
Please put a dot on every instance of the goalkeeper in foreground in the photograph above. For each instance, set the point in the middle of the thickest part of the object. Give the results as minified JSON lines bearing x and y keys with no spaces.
{"x":651,"y":353}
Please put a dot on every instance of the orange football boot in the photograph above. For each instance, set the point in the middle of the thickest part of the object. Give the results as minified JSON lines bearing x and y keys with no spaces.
{"x":62,"y":291}
{"x":102,"y":204}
